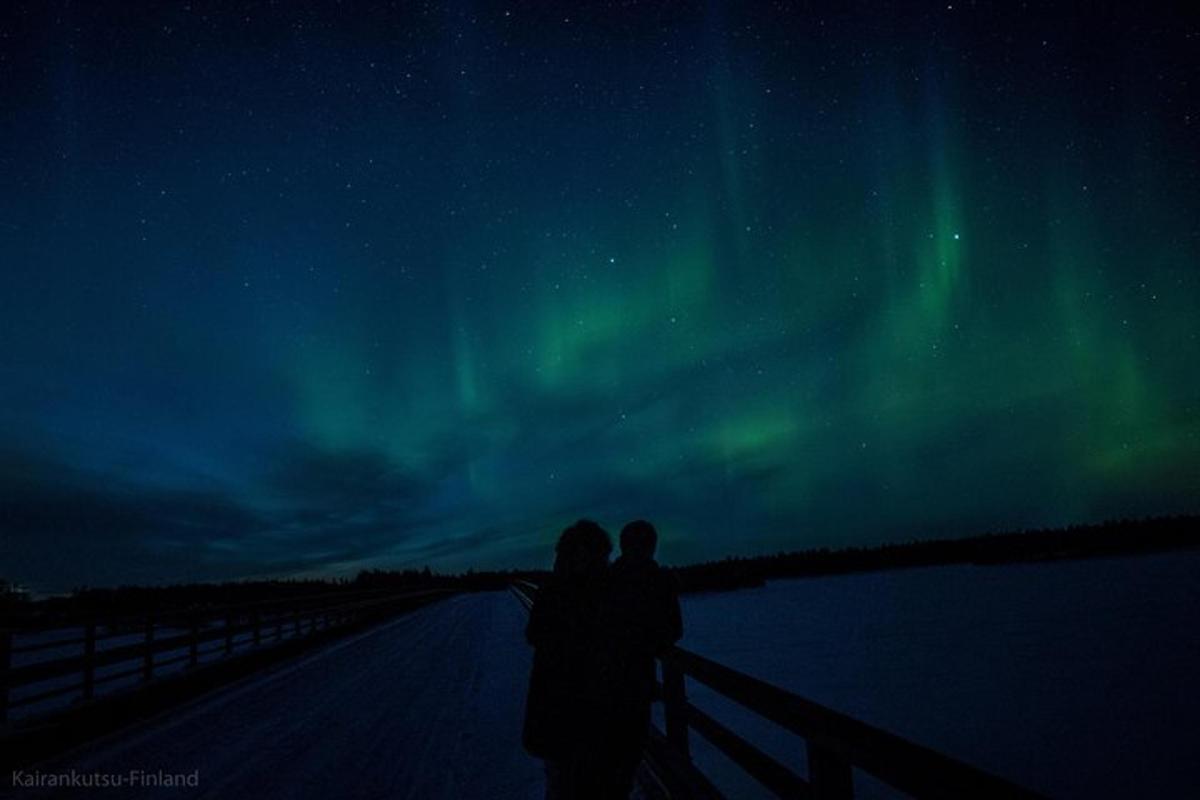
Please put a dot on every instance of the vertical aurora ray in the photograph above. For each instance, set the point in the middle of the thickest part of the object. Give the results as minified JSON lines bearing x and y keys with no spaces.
{"x":941,"y":260}
{"x":1120,"y":424}
{"x":910,"y":356}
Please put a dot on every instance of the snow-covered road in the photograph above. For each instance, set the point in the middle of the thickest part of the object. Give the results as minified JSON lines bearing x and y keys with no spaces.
{"x":426,"y":706}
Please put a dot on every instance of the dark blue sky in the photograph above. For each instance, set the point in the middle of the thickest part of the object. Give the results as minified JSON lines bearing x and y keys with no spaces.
{"x":292,"y":288}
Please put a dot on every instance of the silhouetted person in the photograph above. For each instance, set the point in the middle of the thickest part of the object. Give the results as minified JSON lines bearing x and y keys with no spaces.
{"x":642,"y":618}
{"x":567,"y":685}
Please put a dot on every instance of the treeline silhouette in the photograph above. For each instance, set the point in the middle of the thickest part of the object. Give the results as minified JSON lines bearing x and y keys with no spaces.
{"x":1118,"y":537}
{"x":1113,"y":538}
{"x":18,"y":609}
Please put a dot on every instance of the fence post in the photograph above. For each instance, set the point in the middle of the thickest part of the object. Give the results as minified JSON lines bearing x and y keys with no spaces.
{"x":675,"y":708}
{"x":228,"y":634}
{"x":296,"y":622}
{"x":257,"y":628}
{"x":829,"y":774}
{"x":148,"y":656}
{"x":5,"y":666}
{"x":194,"y":642}
{"x":89,"y":660}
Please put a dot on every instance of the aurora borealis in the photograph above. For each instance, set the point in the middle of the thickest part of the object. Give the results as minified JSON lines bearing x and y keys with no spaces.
{"x":306,"y":288}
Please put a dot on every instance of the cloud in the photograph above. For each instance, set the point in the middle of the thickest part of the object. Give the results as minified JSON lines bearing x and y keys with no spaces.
{"x":65,"y":527}
{"x":341,"y":484}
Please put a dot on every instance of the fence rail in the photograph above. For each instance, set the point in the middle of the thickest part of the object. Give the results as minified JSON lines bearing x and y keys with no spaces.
{"x":835,"y":743}
{"x":106,"y":653}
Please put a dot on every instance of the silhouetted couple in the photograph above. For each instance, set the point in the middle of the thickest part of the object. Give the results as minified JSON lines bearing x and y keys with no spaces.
{"x":596,"y":629}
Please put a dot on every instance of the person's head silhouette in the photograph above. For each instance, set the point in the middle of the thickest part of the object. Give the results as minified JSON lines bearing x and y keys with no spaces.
{"x":582,"y":549}
{"x":639,"y":540}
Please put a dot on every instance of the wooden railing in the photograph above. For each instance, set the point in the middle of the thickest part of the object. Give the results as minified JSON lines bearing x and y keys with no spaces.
{"x":835,"y":743}
{"x":207,"y":635}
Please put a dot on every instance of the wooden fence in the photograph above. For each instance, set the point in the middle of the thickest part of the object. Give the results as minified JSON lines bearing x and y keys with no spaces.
{"x":107,"y":651}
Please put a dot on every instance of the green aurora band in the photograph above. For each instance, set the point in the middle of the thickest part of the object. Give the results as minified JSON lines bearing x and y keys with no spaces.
{"x":767,"y":292}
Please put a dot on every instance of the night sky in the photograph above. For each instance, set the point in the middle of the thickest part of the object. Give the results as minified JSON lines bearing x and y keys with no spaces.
{"x":293,"y":288}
